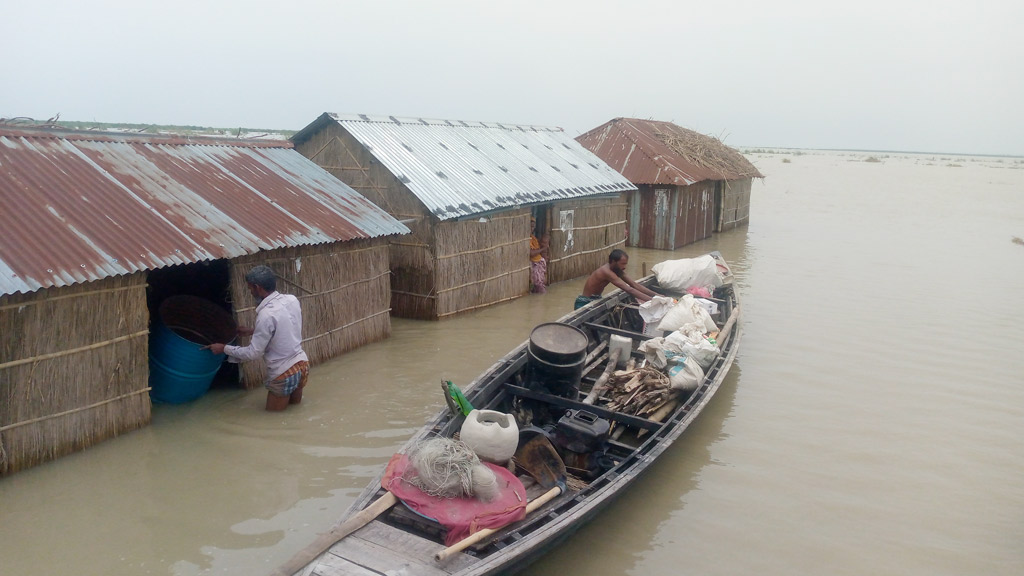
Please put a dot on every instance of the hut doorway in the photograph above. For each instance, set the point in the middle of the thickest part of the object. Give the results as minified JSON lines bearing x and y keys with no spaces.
{"x":542,"y":215}
{"x":209,"y":280}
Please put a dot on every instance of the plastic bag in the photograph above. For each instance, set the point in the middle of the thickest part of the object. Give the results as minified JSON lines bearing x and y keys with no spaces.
{"x":699,"y":291}
{"x":687,"y":311}
{"x":680,"y":275}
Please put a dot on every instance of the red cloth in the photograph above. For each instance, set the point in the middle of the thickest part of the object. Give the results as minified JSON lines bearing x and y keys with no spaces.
{"x":461,"y":516}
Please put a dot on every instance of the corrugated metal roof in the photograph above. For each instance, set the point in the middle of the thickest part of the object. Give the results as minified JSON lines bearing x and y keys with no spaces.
{"x":461,"y":168}
{"x":639,"y":151}
{"x":80,"y":206}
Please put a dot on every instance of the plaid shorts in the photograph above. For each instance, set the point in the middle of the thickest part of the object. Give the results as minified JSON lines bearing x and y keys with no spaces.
{"x":292,"y":379}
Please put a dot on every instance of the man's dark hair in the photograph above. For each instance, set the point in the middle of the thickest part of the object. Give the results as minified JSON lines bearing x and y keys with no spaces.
{"x":616,"y":255}
{"x":263,"y":277}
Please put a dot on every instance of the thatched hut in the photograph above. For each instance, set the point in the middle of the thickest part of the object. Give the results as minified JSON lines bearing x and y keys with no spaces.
{"x":467,"y":190}
{"x":689,"y":184}
{"x":100,"y":228}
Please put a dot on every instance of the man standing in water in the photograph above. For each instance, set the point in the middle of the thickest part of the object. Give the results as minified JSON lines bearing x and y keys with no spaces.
{"x":614,"y":272}
{"x":277,"y":337}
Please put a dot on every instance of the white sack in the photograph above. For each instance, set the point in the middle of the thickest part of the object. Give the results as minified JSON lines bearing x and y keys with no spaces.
{"x":651,"y":329}
{"x":678,"y":275}
{"x":687,"y":311}
{"x":691,"y":343}
{"x":666,"y":355}
{"x":655,"y":309}
{"x":686,"y":376}
{"x":655,"y":353}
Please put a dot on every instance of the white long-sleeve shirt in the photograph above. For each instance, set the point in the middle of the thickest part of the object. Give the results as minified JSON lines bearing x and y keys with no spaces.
{"x":277,"y":336}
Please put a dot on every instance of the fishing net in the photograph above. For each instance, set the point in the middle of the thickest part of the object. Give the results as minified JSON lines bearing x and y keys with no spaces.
{"x":447,"y":468}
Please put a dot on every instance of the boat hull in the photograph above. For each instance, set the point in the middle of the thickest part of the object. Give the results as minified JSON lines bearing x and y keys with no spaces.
{"x":403,"y":544}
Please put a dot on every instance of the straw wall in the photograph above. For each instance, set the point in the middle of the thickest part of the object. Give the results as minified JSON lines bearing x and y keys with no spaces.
{"x":343,"y":288}
{"x":411,"y":256}
{"x":73,"y":368}
{"x":598,"y":226}
{"x":480,"y":263}
{"x":733,"y":199}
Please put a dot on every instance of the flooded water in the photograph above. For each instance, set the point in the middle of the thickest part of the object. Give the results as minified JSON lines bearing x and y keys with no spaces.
{"x":873,"y":422}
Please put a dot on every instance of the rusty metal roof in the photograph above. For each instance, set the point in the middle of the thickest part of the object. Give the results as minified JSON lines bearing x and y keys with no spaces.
{"x":81,"y":206}
{"x":653,"y":152}
{"x":459,"y":168}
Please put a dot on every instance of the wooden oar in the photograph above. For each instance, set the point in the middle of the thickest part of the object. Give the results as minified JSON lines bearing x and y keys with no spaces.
{"x":541,"y":461}
{"x":336,"y":534}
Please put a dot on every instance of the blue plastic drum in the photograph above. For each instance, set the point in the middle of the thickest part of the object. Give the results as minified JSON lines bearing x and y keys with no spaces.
{"x":180,"y":370}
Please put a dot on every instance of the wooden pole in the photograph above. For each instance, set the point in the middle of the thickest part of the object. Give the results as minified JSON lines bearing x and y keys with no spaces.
{"x":600,"y":348}
{"x":325,"y":541}
{"x":724,"y":333}
{"x":602,"y":381}
{"x":478,"y":536}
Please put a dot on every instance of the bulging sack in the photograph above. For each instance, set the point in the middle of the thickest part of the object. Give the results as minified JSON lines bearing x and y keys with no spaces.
{"x":691,"y":343}
{"x":680,"y":275}
{"x":655,"y":309}
{"x":655,"y":353}
{"x":687,"y":311}
{"x":685,"y":376}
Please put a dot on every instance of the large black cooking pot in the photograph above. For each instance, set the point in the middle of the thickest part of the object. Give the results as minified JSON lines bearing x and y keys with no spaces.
{"x":555,"y":358}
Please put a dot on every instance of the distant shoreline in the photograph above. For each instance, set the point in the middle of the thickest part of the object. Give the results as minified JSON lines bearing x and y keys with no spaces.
{"x":767,"y":149}
{"x":267,"y":133}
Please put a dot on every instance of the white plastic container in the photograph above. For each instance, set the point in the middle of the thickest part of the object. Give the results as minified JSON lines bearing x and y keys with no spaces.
{"x":623,"y":344}
{"x":492,"y":435}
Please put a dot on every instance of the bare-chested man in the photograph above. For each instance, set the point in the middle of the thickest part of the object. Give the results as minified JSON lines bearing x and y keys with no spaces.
{"x":614,"y":273}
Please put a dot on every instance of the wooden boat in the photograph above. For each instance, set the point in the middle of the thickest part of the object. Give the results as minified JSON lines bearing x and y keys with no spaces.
{"x":379,"y":537}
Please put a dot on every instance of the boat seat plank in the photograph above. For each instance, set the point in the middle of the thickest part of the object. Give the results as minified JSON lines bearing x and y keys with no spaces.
{"x":626,"y":419}
{"x":618,"y":331}
{"x":383,"y":549}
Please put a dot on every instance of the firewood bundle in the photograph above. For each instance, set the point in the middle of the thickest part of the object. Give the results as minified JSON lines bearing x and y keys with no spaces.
{"x":642,"y":391}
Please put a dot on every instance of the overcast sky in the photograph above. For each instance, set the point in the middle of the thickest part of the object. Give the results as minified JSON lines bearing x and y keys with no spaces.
{"x":931,"y":76}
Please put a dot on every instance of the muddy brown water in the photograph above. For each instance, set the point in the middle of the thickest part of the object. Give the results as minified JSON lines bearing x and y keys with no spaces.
{"x":872,"y":424}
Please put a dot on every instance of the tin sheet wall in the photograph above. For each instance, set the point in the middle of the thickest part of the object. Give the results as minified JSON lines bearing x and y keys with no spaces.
{"x":667,"y":217}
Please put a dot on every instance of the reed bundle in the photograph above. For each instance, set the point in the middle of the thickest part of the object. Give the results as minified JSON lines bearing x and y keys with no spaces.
{"x":343,"y":288}
{"x":73,"y":368}
{"x":709,"y":153}
{"x":598,"y":227}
